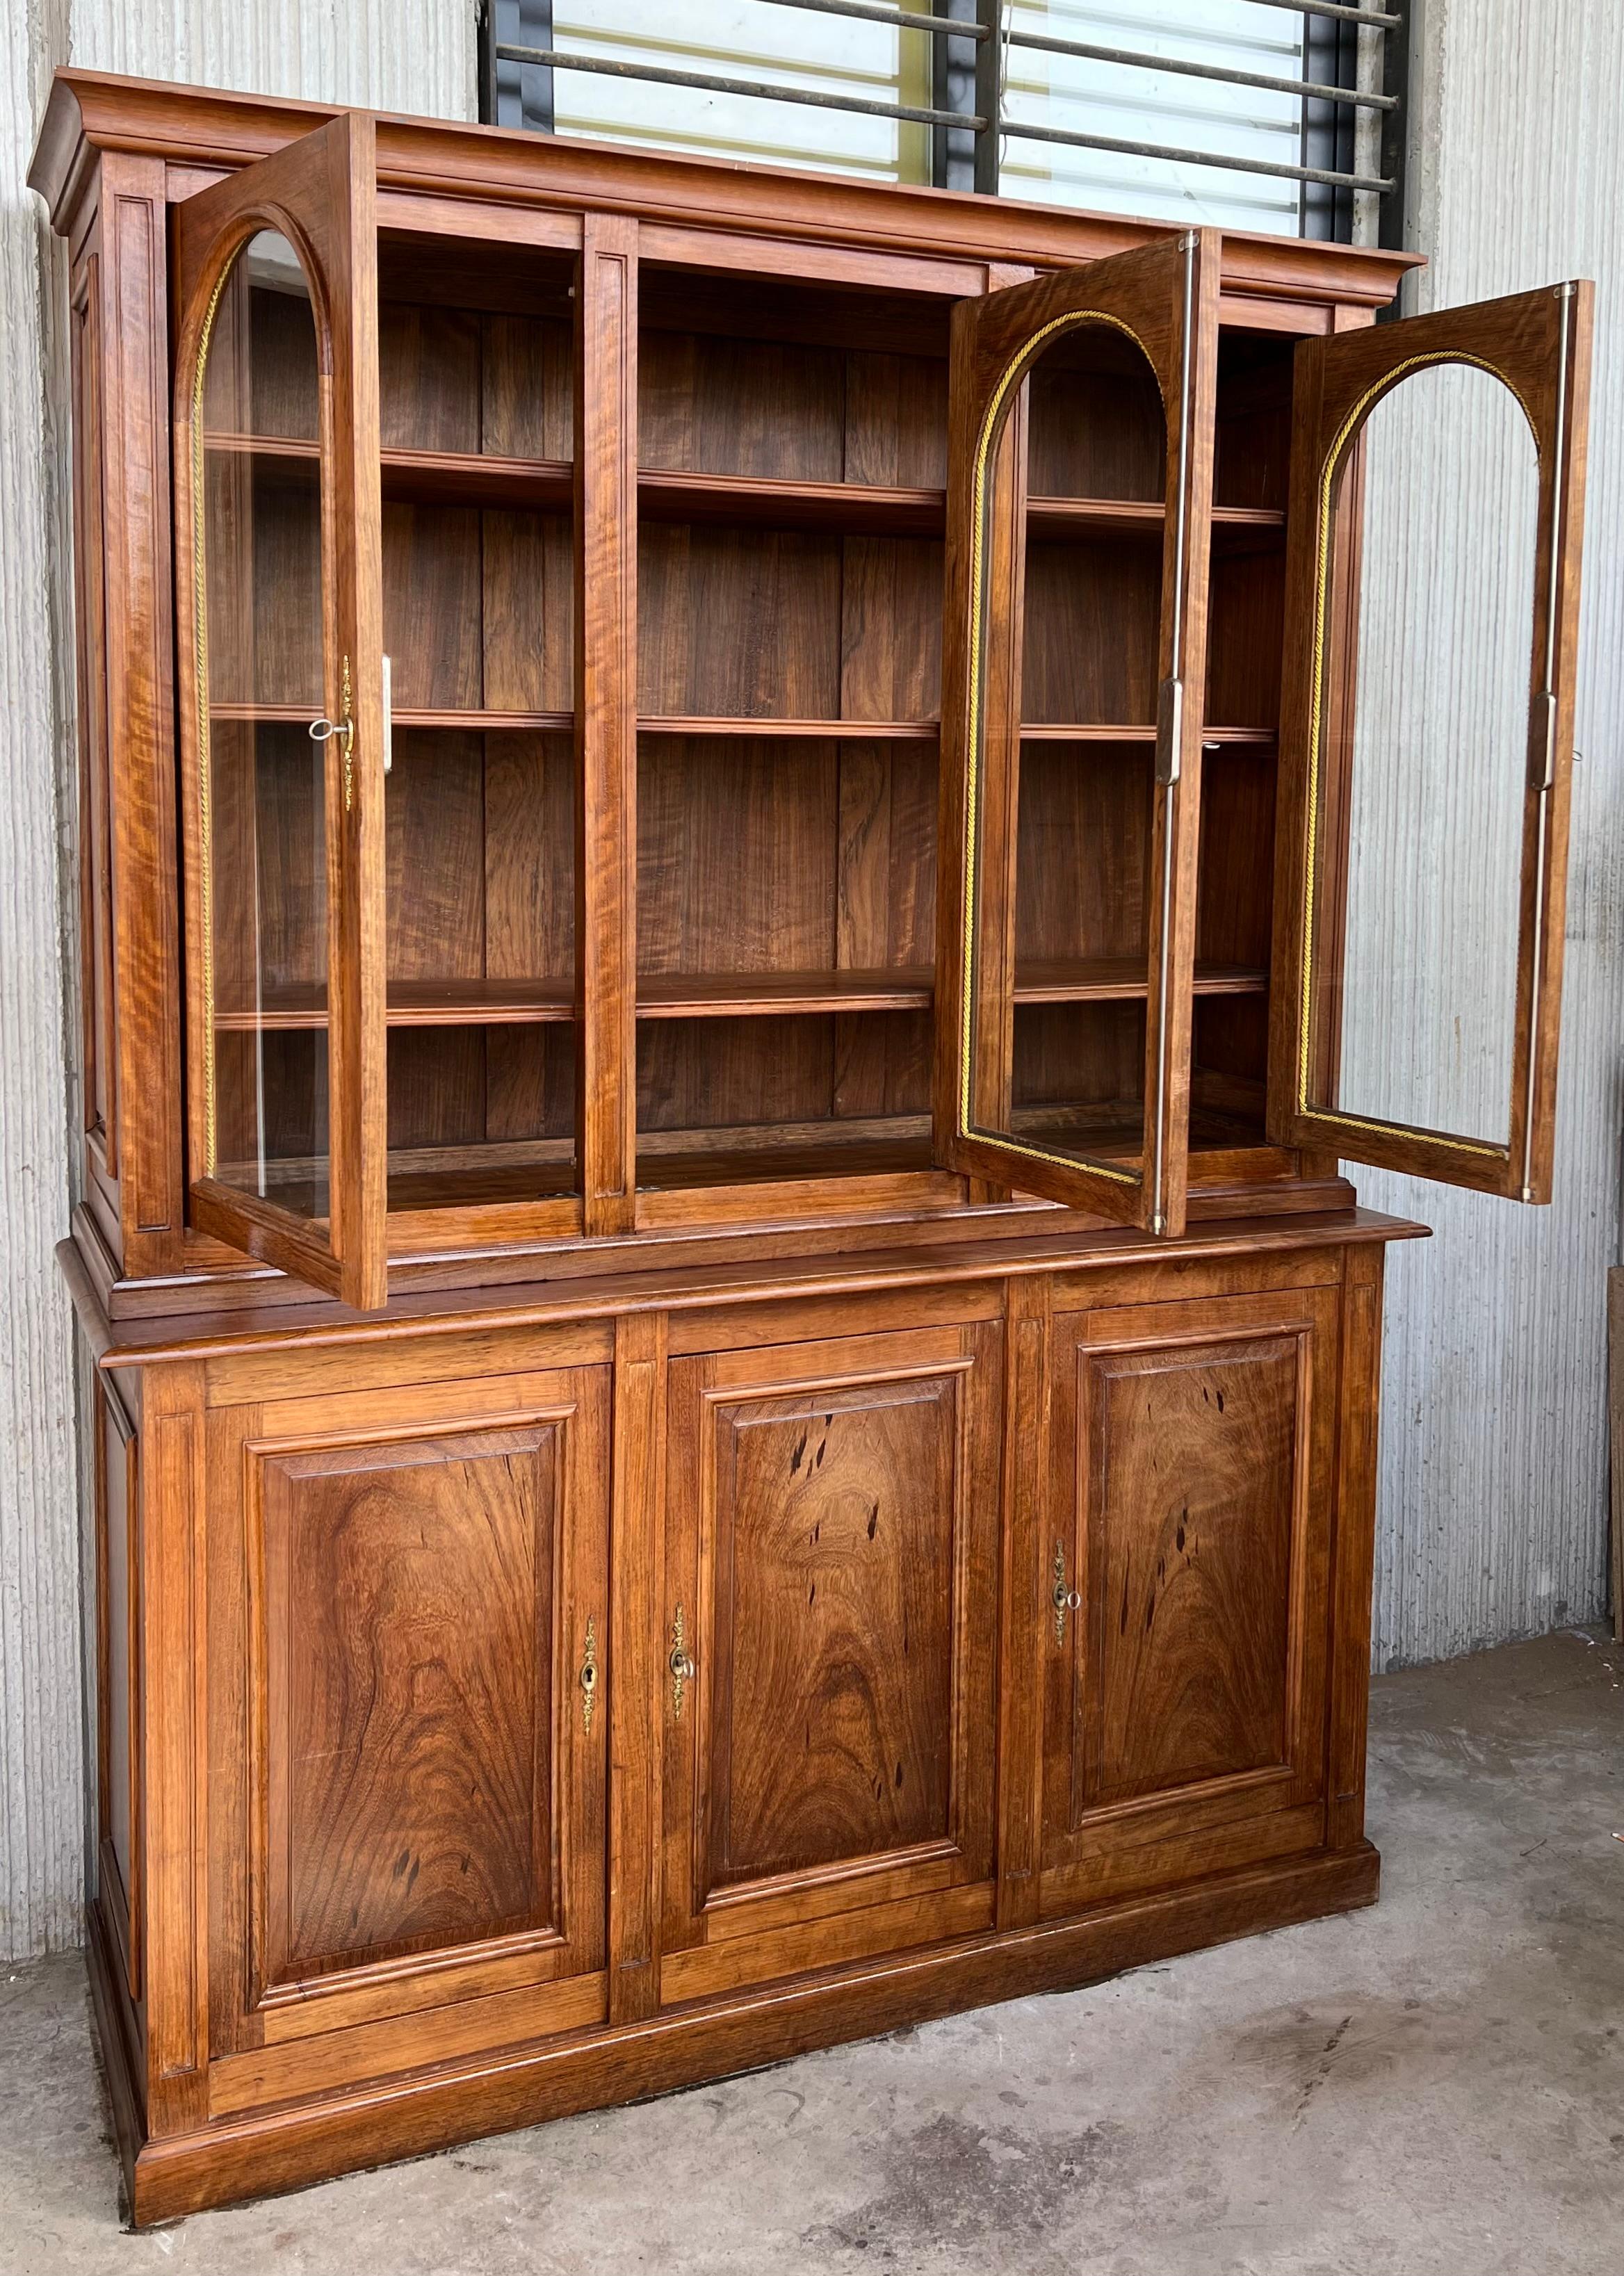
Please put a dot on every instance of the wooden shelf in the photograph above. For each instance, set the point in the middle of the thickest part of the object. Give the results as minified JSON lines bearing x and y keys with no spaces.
{"x":1112,"y":979}
{"x":421,"y":1004}
{"x":711,"y":1160}
{"x":1050,"y":731}
{"x":467,"y":478}
{"x":759,"y":995}
{"x":477,"y":723}
{"x":836,"y":731}
{"x":474,"y":479}
{"x":678,"y":494}
{"x":742,"y":995}
{"x":1069,"y":517}
{"x":670,"y":495}
{"x":896,"y":731}
{"x":726,"y":995}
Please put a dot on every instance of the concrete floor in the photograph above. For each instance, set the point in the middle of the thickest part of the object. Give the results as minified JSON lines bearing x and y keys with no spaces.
{"x":1436,"y":2085}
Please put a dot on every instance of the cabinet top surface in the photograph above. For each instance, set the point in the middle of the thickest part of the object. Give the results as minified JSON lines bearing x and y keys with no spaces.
{"x":144,"y":1342}
{"x":200,"y":131}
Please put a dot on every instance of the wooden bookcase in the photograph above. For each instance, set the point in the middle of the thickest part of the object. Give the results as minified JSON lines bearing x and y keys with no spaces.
{"x":718,"y":820}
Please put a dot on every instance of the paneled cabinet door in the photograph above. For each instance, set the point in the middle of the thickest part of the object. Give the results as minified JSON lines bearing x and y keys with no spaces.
{"x":828,"y":1664}
{"x":279,"y":599}
{"x":407,"y":1716}
{"x":1427,"y":729}
{"x":1191,"y":1462}
{"x":1080,"y":482}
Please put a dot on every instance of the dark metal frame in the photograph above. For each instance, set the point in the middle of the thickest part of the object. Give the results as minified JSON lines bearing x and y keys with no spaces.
{"x":517,"y":60}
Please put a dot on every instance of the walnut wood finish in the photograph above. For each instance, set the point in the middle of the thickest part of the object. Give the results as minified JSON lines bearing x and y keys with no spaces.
{"x":401,"y":1584}
{"x":854,"y":1497}
{"x":1159,"y":306}
{"x":638,"y":1008}
{"x":320,"y":193}
{"x":830,"y":1557}
{"x":1184,"y":1696}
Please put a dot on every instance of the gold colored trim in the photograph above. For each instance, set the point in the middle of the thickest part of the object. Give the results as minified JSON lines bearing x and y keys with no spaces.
{"x":200,"y":658}
{"x":347,"y":728}
{"x":1063,"y":1598}
{"x":1011,"y":378}
{"x":1332,"y":1118}
{"x":588,"y":1677}
{"x":680,"y":1665}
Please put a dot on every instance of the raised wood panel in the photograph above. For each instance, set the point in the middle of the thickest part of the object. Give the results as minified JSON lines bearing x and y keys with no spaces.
{"x":1191,"y":1488}
{"x":833,"y":1688}
{"x":831,"y":1542}
{"x":410,"y":1604}
{"x":401,"y":1583}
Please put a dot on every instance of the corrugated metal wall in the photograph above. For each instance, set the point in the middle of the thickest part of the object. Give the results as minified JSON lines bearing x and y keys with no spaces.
{"x":1494,"y":1453}
{"x":401,"y":54}
{"x":1494,"y":1459}
{"x":41,"y":1841}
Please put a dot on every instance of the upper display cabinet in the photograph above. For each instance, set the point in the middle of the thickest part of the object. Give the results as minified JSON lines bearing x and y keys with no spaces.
{"x":704,"y":704}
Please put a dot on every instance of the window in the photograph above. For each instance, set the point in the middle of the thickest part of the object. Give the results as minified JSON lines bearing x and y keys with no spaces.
{"x":1245,"y":114}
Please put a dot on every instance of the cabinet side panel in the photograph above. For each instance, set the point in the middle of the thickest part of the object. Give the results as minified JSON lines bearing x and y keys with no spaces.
{"x":118,"y":1679}
{"x":139,"y":706}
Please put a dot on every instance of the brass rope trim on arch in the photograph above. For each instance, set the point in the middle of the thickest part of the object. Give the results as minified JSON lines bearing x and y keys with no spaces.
{"x":1012,"y":375}
{"x":200,"y":660}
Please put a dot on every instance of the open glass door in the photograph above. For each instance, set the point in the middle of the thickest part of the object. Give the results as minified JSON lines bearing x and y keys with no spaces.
{"x":1437,"y":485}
{"x":279,"y":589}
{"x":1074,"y":670}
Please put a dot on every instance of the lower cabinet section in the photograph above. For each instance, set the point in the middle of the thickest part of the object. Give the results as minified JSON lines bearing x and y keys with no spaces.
{"x":975,"y":1639}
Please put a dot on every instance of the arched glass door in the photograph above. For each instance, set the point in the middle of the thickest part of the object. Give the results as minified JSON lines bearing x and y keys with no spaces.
{"x":282,"y":719}
{"x":1427,"y":737}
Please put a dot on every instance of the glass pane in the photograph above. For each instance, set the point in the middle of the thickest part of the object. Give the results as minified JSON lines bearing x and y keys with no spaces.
{"x":1085,"y":790}
{"x":1424,"y":759}
{"x":479,"y":803}
{"x":259,"y":596}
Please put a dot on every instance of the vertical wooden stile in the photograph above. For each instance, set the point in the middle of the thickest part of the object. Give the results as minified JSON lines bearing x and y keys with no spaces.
{"x":606,"y":721}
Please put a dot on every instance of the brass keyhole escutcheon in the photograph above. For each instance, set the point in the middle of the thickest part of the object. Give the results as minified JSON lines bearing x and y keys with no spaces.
{"x":588,"y":1677}
{"x":1064,"y":1599}
{"x":681,"y":1664}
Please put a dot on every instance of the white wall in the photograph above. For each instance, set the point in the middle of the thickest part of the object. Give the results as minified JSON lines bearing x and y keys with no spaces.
{"x":1493,"y":1451}
{"x":401,"y":54}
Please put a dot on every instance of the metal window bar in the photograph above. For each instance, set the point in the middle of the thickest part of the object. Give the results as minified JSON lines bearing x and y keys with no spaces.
{"x":967,"y":116}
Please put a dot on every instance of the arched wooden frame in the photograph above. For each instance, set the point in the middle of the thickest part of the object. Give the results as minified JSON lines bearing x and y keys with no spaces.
{"x":319,"y":195}
{"x":1536,"y":344}
{"x":1164,"y":300}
